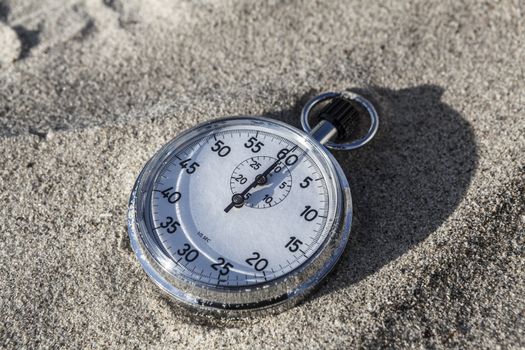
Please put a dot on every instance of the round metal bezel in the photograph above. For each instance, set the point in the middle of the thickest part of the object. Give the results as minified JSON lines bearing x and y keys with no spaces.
{"x":282,"y":292}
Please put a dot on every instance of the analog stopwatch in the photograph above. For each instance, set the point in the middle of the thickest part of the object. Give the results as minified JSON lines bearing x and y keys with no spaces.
{"x":246,"y":213}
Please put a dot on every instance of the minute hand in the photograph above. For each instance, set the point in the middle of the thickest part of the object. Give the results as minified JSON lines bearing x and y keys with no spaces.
{"x":259,"y":180}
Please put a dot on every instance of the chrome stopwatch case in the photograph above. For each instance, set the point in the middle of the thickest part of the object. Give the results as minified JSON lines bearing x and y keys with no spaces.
{"x":246,"y":213}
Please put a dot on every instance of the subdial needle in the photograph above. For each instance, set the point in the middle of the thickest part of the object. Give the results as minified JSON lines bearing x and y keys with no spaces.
{"x":261,"y":179}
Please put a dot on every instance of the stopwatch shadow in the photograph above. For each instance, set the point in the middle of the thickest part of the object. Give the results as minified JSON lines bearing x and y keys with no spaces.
{"x":406,"y":182}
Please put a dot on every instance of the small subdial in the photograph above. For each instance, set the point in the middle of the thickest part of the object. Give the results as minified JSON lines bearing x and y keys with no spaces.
{"x":272,"y":191}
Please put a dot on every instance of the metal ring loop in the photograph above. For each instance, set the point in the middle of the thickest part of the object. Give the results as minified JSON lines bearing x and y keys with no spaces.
{"x":372,"y":113}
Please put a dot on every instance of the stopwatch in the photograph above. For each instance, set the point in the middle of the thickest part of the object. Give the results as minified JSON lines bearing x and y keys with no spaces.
{"x":247,"y":213}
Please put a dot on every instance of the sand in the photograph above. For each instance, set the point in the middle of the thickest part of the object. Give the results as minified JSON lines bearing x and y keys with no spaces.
{"x":90,"y":89}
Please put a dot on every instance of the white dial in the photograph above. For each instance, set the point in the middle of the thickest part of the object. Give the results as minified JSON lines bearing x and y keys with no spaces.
{"x":241,"y":205}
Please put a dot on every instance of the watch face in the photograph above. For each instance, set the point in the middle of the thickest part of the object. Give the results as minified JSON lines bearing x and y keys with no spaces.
{"x":240,"y":203}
